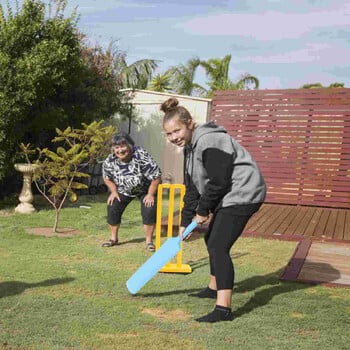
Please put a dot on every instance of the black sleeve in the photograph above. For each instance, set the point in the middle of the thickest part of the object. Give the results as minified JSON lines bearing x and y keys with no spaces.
{"x":219,"y":167}
{"x":190,"y":202}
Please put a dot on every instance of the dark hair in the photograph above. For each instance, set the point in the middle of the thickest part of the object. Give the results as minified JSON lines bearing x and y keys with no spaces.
{"x":172,"y":109}
{"x":121,"y":138}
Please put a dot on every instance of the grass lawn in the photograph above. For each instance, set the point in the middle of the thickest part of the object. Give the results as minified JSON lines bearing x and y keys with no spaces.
{"x":69,"y":292}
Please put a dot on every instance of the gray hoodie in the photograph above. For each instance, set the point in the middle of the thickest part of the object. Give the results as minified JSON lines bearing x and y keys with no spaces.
{"x":219,"y":172}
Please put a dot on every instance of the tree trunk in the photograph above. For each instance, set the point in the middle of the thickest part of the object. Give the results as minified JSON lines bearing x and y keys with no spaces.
{"x":54,"y":229}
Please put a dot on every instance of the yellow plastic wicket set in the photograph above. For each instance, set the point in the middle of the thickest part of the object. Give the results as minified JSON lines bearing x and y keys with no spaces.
{"x":173,"y":190}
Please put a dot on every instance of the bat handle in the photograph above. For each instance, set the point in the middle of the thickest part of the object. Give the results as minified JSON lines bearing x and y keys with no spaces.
{"x":189,"y":229}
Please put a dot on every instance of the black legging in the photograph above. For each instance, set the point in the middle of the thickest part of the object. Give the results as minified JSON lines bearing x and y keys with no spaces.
{"x":116,"y":210}
{"x":224,"y":229}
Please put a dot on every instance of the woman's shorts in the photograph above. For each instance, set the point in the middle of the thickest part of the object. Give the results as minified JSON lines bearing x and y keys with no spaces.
{"x":116,"y":210}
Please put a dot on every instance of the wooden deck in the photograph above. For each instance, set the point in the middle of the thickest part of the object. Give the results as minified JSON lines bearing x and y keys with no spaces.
{"x":321,"y":256}
{"x":295,"y":222}
{"x":291,"y":222}
{"x":314,"y":260}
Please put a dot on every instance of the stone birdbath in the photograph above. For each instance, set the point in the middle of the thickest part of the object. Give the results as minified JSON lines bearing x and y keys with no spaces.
{"x":26,"y":196}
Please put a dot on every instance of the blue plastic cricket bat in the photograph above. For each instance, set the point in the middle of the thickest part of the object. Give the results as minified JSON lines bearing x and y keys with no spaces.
{"x":165,"y":253}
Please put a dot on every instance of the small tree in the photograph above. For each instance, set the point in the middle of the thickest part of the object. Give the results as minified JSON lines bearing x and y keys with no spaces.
{"x":59,"y":171}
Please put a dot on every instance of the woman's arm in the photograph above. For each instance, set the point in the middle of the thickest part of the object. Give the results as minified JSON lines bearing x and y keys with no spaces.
{"x":113,"y":189}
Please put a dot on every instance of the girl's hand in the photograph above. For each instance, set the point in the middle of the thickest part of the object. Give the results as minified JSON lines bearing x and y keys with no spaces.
{"x":148,"y":200}
{"x":181,"y":231}
{"x":201,"y":219}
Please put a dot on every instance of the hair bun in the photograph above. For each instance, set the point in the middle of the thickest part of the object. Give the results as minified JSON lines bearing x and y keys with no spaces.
{"x":169,"y":104}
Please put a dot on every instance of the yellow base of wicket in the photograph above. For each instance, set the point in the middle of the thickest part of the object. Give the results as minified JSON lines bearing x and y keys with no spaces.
{"x":182,"y":268}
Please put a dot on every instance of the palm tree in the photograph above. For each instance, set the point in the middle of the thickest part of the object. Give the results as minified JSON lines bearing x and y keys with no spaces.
{"x":160,"y":83}
{"x":182,"y":78}
{"x":336,"y":85}
{"x":246,"y":82}
{"x":319,"y":85}
{"x":136,"y":75}
{"x":312,"y":86}
{"x":217,"y":70}
{"x":113,"y":63}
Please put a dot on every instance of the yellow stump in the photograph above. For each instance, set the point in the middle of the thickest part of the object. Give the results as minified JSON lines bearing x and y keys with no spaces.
{"x":173,"y":190}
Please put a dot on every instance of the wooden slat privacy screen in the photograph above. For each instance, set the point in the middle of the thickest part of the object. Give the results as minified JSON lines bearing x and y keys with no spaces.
{"x":299,"y":138}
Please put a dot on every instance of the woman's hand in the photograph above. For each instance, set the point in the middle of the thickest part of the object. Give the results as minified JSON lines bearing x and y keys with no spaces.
{"x":112,"y":197}
{"x":148,"y":200}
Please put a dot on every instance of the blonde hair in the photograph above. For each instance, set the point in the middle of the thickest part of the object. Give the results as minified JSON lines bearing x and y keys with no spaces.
{"x":172,"y":109}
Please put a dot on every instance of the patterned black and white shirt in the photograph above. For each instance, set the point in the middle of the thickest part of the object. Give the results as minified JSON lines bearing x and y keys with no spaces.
{"x":132,"y":178}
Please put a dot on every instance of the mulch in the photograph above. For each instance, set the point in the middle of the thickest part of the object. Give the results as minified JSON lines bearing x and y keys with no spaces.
{"x":47,"y":232}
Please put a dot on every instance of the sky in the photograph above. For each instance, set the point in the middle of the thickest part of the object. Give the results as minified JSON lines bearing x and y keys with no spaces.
{"x":284,"y":43}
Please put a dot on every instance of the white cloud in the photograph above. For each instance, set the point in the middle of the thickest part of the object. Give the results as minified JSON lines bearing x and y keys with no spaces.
{"x":163,"y":49}
{"x":270,"y":81}
{"x":323,"y":54}
{"x":140,"y":35}
{"x":270,"y":25}
{"x":91,"y":5}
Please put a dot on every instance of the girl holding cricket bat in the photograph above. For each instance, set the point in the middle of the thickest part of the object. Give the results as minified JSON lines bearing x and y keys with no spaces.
{"x":223,"y":183}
